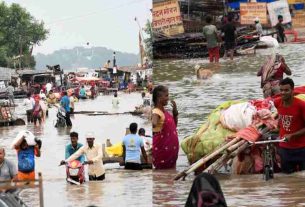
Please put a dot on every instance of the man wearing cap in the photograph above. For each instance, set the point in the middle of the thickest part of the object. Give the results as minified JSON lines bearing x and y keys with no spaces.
{"x":7,"y":168}
{"x":258,"y":27}
{"x":94,"y":156}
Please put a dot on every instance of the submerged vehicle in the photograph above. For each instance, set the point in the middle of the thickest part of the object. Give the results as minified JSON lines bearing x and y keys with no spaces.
{"x":75,"y":172}
{"x":61,"y":118}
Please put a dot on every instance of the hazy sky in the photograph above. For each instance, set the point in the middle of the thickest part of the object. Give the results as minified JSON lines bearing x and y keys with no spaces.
{"x":108,"y":23}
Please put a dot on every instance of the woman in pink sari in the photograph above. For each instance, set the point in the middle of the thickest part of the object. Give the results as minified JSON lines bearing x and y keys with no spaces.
{"x":165,"y":138}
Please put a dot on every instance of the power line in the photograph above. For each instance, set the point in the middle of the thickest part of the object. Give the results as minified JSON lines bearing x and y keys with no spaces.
{"x":93,"y":13}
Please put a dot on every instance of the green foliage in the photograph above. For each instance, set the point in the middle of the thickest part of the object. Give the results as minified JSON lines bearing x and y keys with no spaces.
{"x":19,"y":32}
{"x":148,"y":41}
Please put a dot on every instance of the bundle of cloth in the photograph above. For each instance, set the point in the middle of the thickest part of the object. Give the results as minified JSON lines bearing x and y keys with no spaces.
{"x":248,"y":120}
{"x":230,"y":119}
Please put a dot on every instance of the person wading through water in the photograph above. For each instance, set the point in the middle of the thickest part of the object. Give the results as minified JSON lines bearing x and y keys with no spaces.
{"x":291,"y":111}
{"x":165,"y":138}
{"x":272,"y":73}
{"x":133,"y":146}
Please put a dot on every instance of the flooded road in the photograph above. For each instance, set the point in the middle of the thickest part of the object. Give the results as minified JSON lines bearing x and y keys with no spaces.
{"x":196,"y":99}
{"x":120,"y":188}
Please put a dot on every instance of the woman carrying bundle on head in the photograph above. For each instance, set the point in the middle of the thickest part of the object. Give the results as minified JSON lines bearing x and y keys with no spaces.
{"x":272,"y":72}
{"x":165,"y":137}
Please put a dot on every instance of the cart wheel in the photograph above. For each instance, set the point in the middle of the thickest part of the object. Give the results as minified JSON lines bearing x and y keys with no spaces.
{"x":267,"y":172}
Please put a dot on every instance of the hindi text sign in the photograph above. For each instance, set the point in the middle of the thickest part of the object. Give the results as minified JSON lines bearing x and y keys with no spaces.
{"x":250,"y":11}
{"x":167,"y":18}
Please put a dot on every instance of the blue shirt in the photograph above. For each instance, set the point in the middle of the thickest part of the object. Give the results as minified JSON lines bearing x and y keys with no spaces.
{"x":82,"y":92}
{"x":26,"y":159}
{"x":65,"y":102}
{"x":133,"y":144}
{"x":70,"y":150}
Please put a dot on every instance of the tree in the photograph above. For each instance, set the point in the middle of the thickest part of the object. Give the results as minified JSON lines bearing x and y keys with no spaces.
{"x":19,"y":33}
{"x":149,"y":40}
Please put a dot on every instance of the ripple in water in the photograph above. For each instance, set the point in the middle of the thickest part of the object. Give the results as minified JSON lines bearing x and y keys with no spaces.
{"x":196,"y":99}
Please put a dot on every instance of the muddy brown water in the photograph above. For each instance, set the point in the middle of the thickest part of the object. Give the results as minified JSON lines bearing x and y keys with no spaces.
{"x":196,"y":99}
{"x":120,"y":188}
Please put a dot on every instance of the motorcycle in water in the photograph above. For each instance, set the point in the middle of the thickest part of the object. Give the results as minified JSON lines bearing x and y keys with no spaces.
{"x":61,"y":118}
{"x":75,"y":172}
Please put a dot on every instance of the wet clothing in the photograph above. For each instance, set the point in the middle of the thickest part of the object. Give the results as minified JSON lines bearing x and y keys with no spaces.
{"x":26,"y":176}
{"x":72,"y":100}
{"x":37,"y":113}
{"x":165,"y":143}
{"x":28,"y":103}
{"x":229,"y":33}
{"x":291,"y":120}
{"x":272,"y":72}
{"x":26,"y":163}
{"x":210,"y":34}
{"x":259,"y":29}
{"x":133,"y":144}
{"x":213,"y":54}
{"x":133,"y":166}
{"x":159,"y":126}
{"x":229,"y":45}
{"x":70,"y":150}
{"x":68,"y":120}
{"x":115,"y":102}
{"x":65,"y":102}
{"x":95,"y":154}
{"x":82,"y":93}
{"x":292,"y":160}
{"x":7,"y":170}
{"x":206,"y":192}
{"x":93,"y":177}
{"x":280,"y":32}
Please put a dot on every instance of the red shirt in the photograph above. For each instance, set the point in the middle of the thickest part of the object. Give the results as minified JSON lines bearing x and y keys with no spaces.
{"x":279,"y":73}
{"x":291,"y":120}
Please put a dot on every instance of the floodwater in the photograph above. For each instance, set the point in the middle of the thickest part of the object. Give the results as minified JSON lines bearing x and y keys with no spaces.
{"x":120,"y":188}
{"x":196,"y":99}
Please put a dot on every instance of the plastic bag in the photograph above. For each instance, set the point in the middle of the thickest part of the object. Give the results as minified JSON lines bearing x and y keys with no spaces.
{"x":238,"y":116}
{"x":29,"y":137}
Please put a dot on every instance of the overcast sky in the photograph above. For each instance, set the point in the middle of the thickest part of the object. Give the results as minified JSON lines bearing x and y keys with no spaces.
{"x":108,"y":23}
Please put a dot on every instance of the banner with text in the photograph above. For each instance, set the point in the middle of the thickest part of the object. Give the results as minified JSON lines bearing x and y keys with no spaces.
{"x":279,"y":8}
{"x":250,"y":11}
{"x":167,"y":18}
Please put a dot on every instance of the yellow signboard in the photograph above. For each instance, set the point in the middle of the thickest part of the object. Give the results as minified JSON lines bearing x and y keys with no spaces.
{"x":298,"y":21}
{"x":250,"y":11}
{"x":167,"y":18}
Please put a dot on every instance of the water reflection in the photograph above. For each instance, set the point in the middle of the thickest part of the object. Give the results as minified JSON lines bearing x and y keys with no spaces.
{"x":120,"y":186}
{"x":196,"y":99}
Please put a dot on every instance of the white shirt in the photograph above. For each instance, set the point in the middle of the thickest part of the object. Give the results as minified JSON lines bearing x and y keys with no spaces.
{"x":72,"y":102}
{"x":43,"y":105}
{"x":95,"y":154}
{"x":115,"y":102}
{"x":147,"y":143}
{"x":29,"y":103}
{"x":48,"y":87}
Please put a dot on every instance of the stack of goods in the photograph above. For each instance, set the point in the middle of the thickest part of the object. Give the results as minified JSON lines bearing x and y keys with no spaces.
{"x":229,"y":131}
